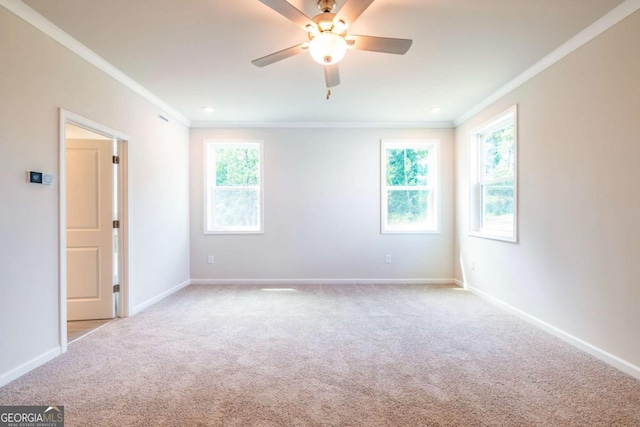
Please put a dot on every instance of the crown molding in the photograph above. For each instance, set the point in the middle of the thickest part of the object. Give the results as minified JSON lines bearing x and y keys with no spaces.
{"x":29,"y":15}
{"x":607,"y":21}
{"x":302,"y":282}
{"x":325,"y":125}
{"x":21,"y":10}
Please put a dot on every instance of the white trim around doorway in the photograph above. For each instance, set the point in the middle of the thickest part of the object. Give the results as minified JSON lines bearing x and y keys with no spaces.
{"x":125,"y":218}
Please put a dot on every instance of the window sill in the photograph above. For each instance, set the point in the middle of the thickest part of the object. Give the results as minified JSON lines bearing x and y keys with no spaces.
{"x":233,"y":232}
{"x":408,"y":232}
{"x":493,"y":237}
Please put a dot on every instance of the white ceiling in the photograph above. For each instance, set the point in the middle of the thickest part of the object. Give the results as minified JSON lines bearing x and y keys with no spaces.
{"x":192,"y":53}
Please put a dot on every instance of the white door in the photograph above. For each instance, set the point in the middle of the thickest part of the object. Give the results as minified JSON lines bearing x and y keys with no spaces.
{"x":89,"y":169}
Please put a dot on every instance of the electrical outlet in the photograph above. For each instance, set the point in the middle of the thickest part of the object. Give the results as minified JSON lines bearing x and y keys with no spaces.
{"x":210,"y":259}
{"x":387,"y":259}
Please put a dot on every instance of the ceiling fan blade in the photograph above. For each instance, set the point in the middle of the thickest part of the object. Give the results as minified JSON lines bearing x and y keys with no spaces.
{"x":280,"y":55}
{"x":290,"y":12}
{"x":351,"y":10}
{"x":331,"y":75}
{"x":379,"y":44}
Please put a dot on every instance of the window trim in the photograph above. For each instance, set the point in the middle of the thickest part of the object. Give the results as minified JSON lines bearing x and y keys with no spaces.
{"x":410,"y":143}
{"x":233,"y":143}
{"x":476,"y":181}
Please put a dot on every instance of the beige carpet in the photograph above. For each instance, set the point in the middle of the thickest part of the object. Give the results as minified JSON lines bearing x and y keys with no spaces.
{"x":330,"y":355}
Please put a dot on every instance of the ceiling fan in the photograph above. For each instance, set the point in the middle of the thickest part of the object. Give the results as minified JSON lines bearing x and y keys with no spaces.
{"x":328,"y":38}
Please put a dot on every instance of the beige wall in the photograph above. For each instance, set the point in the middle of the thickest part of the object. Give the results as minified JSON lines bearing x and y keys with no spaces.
{"x":574,"y":267}
{"x":37,"y":77}
{"x":576,"y":264}
{"x":322,"y":211}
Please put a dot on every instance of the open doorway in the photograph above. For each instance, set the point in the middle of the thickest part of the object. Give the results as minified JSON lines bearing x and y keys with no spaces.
{"x":93,"y":252}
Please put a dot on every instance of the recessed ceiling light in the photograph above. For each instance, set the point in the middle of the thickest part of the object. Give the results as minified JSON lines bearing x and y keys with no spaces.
{"x":207,"y":110}
{"x":435,"y":110}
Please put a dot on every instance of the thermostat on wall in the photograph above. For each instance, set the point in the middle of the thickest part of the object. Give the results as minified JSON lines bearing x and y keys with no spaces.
{"x":39,"y":178}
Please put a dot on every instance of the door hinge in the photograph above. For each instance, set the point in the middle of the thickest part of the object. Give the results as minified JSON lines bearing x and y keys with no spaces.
{"x":116,"y":288}
{"x":116,"y":224}
{"x":116,"y":160}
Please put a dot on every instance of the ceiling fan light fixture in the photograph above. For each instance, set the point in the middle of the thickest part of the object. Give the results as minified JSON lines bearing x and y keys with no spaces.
{"x":328,"y":48}
{"x":312,"y":29}
{"x":339,"y":26}
{"x":326,"y":25}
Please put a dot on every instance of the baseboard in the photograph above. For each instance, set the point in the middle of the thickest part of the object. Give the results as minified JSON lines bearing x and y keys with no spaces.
{"x":599,"y":353}
{"x":458,"y":282}
{"x":321,"y":281}
{"x":138,"y":308}
{"x":17,"y":372}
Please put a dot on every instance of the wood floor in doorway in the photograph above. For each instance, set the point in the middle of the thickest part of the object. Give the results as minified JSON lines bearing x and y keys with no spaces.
{"x":79,"y":328}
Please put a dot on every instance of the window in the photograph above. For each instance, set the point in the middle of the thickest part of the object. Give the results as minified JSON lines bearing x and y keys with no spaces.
{"x":409,"y":186}
{"x":494,"y":178}
{"x":233,"y":186}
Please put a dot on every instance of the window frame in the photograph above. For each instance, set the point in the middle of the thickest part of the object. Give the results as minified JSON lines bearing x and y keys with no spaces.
{"x":434,"y":175}
{"x":478,"y":181}
{"x":210,"y":173}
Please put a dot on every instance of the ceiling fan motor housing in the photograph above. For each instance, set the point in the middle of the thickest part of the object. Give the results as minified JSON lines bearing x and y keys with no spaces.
{"x":324,"y":21}
{"x":326,"y":5}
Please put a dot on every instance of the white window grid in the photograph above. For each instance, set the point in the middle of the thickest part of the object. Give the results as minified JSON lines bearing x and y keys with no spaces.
{"x":479,"y":180}
{"x":432,"y":186}
{"x":210,"y":173}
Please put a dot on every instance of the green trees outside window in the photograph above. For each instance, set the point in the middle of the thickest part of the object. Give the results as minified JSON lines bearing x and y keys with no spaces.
{"x":409,"y":186}
{"x":497,"y":183}
{"x":233,"y":186}
{"x":493,"y":178}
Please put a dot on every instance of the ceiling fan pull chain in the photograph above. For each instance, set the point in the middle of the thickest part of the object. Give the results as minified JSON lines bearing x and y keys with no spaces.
{"x":328,"y":93}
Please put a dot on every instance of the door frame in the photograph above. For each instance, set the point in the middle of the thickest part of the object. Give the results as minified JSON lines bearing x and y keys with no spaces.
{"x":123,"y":213}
